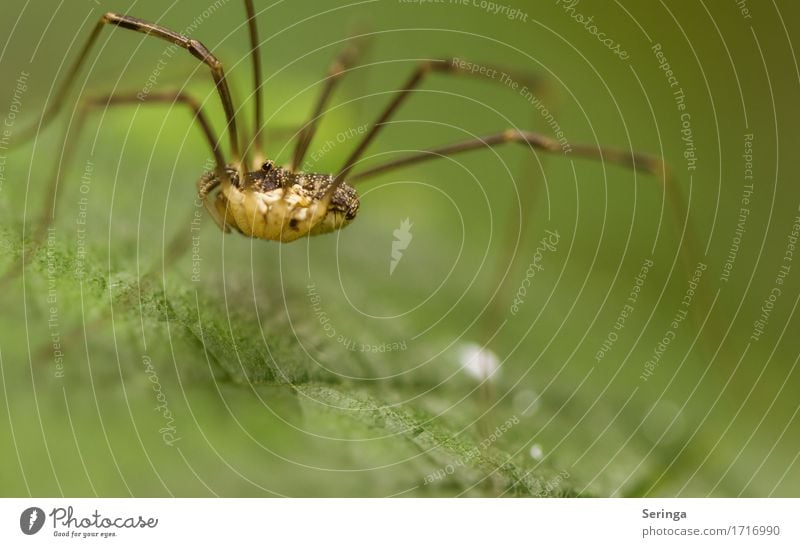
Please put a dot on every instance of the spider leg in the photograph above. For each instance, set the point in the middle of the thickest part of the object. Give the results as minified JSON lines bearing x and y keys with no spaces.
{"x":194,"y":47}
{"x":640,"y":162}
{"x":255,"y":57}
{"x":450,"y":66}
{"x":86,"y":106}
{"x":340,"y":66}
{"x":205,"y":185}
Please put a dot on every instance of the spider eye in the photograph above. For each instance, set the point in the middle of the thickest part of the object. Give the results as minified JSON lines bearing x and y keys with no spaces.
{"x":267,"y":167}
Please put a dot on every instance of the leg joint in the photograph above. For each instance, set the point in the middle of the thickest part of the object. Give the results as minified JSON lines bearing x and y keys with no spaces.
{"x":204,"y":54}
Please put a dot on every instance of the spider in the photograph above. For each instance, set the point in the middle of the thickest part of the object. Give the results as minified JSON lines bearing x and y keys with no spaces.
{"x":260,"y":199}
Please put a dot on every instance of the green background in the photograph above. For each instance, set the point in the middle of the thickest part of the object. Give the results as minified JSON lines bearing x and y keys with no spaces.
{"x":264,"y":402}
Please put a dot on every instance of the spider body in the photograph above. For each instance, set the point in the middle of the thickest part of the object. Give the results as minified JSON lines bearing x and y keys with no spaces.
{"x":277,"y":204}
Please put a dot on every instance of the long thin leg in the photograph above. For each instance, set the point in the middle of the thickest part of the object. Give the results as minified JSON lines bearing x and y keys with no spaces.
{"x":194,"y":47}
{"x":205,"y":185}
{"x":51,"y":200}
{"x":451,"y":66}
{"x":163,"y":97}
{"x":341,"y":65}
{"x":255,"y":57}
{"x":641,"y":162}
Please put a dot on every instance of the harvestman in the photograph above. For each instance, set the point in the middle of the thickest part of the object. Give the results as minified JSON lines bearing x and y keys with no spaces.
{"x":261,"y":199}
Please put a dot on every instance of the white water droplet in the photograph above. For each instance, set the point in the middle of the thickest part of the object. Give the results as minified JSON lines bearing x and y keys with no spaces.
{"x":479,"y":362}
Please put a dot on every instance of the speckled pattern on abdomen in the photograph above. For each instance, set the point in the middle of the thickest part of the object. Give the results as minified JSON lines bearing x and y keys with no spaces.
{"x":280,"y":214}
